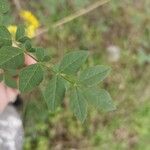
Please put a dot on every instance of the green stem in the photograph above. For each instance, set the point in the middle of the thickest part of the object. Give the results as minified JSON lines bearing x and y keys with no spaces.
{"x":31,"y":56}
{"x":50,"y":69}
{"x":67,"y":79}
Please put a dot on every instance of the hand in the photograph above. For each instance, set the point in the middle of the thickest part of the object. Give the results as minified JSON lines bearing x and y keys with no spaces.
{"x":8,"y":94}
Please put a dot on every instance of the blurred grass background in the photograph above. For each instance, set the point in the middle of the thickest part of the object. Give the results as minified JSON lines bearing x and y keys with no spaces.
{"x":124,"y":25}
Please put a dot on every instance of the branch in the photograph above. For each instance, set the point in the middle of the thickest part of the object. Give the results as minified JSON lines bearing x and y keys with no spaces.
{"x":79,"y":13}
{"x":71,"y":17}
{"x":27,"y":53}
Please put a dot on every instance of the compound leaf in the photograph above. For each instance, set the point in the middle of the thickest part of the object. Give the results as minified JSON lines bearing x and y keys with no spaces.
{"x":30,"y":77}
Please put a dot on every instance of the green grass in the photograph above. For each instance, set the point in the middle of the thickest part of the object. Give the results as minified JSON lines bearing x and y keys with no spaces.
{"x":121,"y":23}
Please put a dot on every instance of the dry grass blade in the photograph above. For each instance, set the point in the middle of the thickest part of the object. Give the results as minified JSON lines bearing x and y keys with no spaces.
{"x":75,"y":15}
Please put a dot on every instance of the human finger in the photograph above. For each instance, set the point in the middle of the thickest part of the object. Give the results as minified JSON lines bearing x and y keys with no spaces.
{"x":29,"y":60}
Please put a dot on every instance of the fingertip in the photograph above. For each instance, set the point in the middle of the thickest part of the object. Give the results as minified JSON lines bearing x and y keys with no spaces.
{"x":12,"y":94}
{"x":29,"y":60}
{"x":3,"y":104}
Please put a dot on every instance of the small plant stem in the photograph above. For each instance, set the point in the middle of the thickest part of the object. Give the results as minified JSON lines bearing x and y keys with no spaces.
{"x":50,"y":69}
{"x":73,"y":16}
{"x":80,"y":12}
{"x":31,"y":56}
{"x":67,"y":79}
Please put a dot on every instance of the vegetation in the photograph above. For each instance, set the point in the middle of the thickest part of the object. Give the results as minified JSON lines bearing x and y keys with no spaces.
{"x":65,"y":77}
{"x":123,"y":24}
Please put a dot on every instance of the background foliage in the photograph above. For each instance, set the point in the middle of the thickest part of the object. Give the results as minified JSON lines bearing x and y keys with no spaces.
{"x":124,"y":24}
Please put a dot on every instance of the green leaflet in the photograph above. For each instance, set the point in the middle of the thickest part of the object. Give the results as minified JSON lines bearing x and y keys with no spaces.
{"x":78,"y":104}
{"x":11,"y":72}
{"x":30,"y":77}
{"x":94,"y":75}
{"x":9,"y":78}
{"x":11,"y":57}
{"x":20,"y":34}
{"x":28,"y":45}
{"x":4,"y":6}
{"x":54,"y":93}
{"x":40,"y":54}
{"x":10,"y":81}
{"x":100,"y":99}
{"x":5,"y":37}
{"x":72,"y":62}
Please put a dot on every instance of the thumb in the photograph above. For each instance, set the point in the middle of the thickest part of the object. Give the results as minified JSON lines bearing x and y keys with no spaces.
{"x":3,"y":97}
{"x":12,"y":94}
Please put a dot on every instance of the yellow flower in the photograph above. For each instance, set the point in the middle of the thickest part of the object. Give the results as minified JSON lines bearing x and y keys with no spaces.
{"x":30,"y":19}
{"x":12,"y":29}
{"x":30,"y":31}
{"x":31,"y":23}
